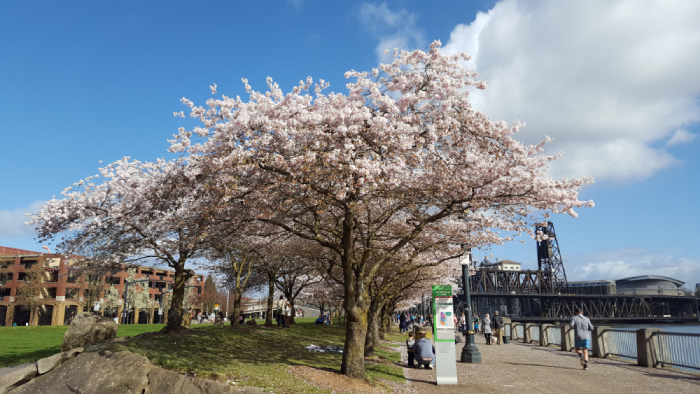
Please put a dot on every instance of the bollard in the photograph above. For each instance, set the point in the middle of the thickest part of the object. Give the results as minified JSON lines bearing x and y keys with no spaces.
{"x":544,"y":334}
{"x":567,"y":338}
{"x":598,"y":341}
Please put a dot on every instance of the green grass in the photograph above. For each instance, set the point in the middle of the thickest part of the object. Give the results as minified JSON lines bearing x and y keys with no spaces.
{"x":257,"y":358}
{"x":19,"y":345}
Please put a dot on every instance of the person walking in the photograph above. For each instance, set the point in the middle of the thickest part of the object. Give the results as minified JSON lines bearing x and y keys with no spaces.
{"x":463,"y":324}
{"x":402,"y":323}
{"x":582,"y":336}
{"x":280,"y":312}
{"x":498,"y":327}
{"x":487,"y":329}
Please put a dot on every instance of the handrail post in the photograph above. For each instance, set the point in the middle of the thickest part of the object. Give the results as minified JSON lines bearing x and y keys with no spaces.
{"x":597,"y":341}
{"x":567,"y":338}
{"x":544,"y":334}
{"x":527,"y":334}
{"x":646,"y":347}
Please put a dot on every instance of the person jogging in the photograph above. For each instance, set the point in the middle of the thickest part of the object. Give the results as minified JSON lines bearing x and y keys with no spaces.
{"x":582,"y":336}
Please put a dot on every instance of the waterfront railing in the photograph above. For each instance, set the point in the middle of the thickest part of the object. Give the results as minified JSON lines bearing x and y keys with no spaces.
{"x":535,"y":333}
{"x":678,"y":349}
{"x":649,"y":347}
{"x":622,"y":343}
{"x":554,"y":335}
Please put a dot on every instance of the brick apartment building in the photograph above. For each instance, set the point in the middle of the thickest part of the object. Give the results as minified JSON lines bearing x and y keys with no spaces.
{"x":62,"y":292}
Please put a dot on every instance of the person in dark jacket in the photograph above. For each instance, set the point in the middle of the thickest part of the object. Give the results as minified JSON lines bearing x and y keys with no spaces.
{"x":498,"y":327}
{"x":402,"y":323}
{"x":409,"y":349}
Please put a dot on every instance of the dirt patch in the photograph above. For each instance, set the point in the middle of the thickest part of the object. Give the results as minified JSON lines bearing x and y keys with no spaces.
{"x":333,"y":381}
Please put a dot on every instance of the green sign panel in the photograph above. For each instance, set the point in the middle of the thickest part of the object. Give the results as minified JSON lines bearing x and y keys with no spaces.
{"x":442,"y":291}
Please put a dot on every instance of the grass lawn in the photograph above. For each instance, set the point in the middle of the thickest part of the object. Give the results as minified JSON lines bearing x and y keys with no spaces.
{"x":19,"y":345}
{"x":259,"y":357}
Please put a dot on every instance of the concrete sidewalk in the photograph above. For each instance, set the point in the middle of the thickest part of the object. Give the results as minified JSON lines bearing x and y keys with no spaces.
{"x":520,"y":368}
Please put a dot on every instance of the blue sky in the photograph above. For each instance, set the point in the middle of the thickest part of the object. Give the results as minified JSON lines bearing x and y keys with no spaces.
{"x":613,"y":82}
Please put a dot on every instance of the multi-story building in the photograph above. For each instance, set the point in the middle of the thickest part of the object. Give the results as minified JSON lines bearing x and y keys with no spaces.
{"x":62,"y":290}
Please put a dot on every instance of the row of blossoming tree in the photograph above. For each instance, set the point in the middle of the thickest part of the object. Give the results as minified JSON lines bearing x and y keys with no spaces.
{"x":377,"y":187}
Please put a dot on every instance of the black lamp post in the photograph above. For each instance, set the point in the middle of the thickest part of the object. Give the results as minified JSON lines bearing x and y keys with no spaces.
{"x":470,"y":353}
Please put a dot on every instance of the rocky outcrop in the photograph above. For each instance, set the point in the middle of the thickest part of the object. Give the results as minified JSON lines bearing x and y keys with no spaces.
{"x":47,"y":364}
{"x":88,"y":329}
{"x":104,"y":373}
{"x":12,"y":377}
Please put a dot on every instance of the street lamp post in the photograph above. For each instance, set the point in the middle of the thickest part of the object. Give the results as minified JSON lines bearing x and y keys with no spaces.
{"x":470,"y":353}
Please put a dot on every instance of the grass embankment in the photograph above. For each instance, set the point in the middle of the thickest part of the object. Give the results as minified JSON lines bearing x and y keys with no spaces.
{"x":259,"y":357}
{"x":19,"y":345}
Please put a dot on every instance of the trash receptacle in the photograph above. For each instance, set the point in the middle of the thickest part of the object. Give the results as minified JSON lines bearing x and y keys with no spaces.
{"x":506,"y":339}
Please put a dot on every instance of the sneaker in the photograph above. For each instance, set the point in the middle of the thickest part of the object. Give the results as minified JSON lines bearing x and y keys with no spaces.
{"x":585,"y":366}
{"x":431,"y":367}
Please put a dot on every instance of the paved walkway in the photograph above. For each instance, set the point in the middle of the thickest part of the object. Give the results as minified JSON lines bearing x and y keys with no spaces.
{"x":520,"y":368}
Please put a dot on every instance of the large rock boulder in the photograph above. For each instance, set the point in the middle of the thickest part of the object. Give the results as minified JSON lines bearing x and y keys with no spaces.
{"x":104,"y":372}
{"x":88,"y":329}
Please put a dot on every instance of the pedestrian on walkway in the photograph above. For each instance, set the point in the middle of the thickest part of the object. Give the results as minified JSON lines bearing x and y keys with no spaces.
{"x":487,"y":329}
{"x":409,"y":349}
{"x":423,"y":351}
{"x":463,"y":324}
{"x":402,"y":323}
{"x":582,"y":336}
{"x":498,"y":327}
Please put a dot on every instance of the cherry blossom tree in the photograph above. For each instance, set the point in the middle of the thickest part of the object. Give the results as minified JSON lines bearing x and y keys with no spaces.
{"x":140,"y":211}
{"x":365,"y":174}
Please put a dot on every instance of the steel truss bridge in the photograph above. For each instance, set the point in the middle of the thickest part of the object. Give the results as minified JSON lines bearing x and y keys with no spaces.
{"x":541,"y":295}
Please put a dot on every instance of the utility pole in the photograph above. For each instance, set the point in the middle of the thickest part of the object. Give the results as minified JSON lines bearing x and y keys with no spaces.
{"x":470,"y":353}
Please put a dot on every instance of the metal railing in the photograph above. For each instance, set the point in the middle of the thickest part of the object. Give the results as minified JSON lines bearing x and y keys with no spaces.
{"x":554,"y":335}
{"x":520,"y":329}
{"x":535,"y":333}
{"x":675,"y":348}
{"x":621,"y":343}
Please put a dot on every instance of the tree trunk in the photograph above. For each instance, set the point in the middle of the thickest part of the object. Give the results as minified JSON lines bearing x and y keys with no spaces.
{"x":270,"y":303}
{"x":238,"y":294}
{"x":293,"y":312}
{"x":355,"y":333}
{"x":372,"y":335}
{"x":175,"y":311}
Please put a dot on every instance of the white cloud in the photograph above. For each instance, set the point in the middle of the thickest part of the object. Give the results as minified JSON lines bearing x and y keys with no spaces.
{"x":12,"y":221}
{"x":621,"y":263}
{"x":681,"y":136}
{"x":394,"y":29}
{"x":607,"y":80}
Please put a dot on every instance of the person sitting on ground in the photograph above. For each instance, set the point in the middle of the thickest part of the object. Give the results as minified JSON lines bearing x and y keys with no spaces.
{"x":409,"y":349}
{"x":423,"y":351}
{"x":582,"y":336}
{"x":319,"y":320}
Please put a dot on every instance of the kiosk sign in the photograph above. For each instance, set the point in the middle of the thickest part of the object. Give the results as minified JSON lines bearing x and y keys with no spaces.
{"x":444,"y":334}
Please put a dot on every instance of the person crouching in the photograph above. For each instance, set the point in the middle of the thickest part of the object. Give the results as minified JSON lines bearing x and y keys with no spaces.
{"x":423,"y":351}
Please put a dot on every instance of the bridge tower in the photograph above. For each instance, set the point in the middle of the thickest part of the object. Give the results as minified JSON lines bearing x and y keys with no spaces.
{"x":549,"y":259}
